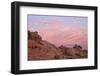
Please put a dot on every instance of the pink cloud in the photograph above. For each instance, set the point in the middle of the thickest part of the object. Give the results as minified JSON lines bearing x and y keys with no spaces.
{"x":65,"y":36}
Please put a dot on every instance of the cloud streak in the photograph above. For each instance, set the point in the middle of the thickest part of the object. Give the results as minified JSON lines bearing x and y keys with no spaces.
{"x":65,"y":37}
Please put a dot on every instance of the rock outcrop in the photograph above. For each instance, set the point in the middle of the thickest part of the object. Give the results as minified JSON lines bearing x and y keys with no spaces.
{"x":39,"y":49}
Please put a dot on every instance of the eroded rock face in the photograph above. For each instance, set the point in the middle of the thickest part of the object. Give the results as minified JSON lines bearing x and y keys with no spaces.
{"x":39,"y":49}
{"x":34,"y":36}
{"x":75,"y":52}
{"x":77,"y":47}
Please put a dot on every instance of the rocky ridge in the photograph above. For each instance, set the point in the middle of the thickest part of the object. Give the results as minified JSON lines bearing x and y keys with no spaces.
{"x":39,"y":49}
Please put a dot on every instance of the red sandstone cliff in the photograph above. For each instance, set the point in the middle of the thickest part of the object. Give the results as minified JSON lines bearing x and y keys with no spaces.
{"x":39,"y":49}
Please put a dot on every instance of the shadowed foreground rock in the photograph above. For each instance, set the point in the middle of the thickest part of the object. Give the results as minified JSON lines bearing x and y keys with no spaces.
{"x":39,"y":49}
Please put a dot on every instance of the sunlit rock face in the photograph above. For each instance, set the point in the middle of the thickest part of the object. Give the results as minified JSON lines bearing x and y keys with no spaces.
{"x":39,"y":49}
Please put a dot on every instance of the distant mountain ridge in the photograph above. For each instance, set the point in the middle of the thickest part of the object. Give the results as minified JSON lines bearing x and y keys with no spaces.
{"x":39,"y":49}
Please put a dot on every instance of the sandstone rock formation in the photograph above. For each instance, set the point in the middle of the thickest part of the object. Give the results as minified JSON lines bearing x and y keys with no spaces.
{"x":39,"y":49}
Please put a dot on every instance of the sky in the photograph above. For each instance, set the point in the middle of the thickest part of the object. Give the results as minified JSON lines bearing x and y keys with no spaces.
{"x":61,"y":30}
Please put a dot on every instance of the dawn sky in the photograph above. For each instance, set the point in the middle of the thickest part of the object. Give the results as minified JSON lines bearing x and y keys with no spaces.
{"x":60,"y":30}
